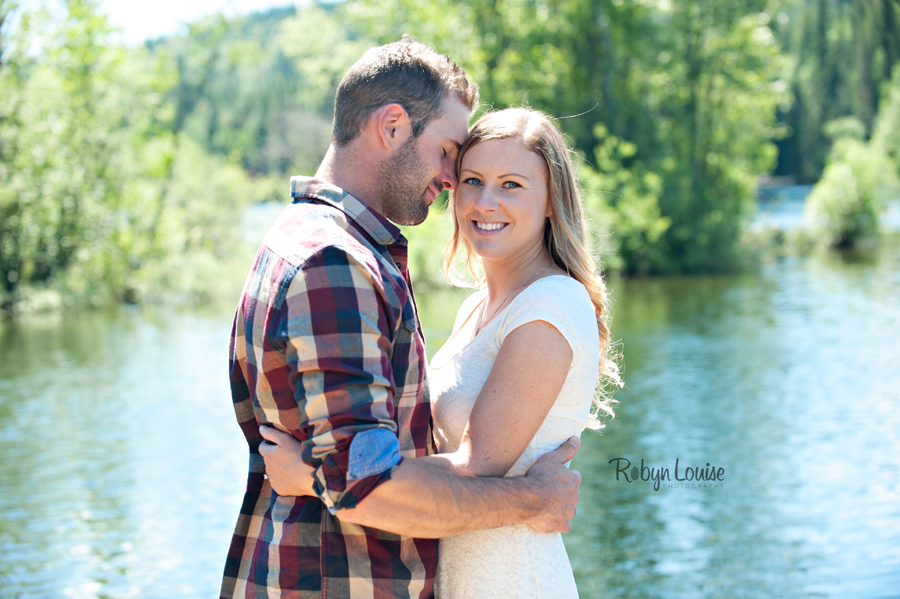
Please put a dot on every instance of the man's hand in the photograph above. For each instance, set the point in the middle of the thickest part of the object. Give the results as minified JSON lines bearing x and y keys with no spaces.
{"x":559,"y":488}
{"x":285,"y":467}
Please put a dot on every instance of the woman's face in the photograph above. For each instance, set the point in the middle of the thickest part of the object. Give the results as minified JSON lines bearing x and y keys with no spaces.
{"x":502,"y":200}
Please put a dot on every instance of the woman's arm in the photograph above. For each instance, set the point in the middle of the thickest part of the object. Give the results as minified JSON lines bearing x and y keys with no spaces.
{"x":527,"y":376}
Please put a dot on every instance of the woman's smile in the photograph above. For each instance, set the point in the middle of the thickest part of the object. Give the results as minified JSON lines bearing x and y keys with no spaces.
{"x":488,"y":227}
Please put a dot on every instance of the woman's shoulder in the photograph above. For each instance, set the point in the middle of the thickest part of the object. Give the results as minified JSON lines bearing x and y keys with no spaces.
{"x":560,"y":291}
{"x":558,"y":299}
{"x":560,"y":281}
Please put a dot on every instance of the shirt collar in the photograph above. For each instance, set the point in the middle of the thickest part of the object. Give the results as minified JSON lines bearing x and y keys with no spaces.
{"x":381,"y":229}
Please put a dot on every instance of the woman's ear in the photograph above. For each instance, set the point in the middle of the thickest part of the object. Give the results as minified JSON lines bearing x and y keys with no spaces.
{"x":393,"y":126}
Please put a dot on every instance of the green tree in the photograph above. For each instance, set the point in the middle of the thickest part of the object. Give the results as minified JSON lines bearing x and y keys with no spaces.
{"x":6,"y":7}
{"x":713,"y":96}
{"x":99,"y":186}
{"x":62,"y":118}
{"x":848,"y":201}
{"x":243,"y":88}
{"x":691,"y":86}
{"x":842,"y":53}
{"x":623,"y":205}
{"x":886,"y":129}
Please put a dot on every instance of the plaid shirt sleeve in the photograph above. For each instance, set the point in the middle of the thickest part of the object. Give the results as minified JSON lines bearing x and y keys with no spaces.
{"x":338,"y":331}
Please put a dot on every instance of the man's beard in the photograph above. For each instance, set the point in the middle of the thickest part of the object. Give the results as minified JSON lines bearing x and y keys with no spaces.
{"x":402,"y":185}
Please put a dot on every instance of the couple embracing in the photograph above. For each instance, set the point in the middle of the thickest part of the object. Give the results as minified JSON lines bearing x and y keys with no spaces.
{"x":367,"y":478}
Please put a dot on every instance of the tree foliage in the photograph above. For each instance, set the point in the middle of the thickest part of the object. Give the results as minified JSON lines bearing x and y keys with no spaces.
{"x":847,"y":203}
{"x":691,"y":87}
{"x":62,"y":121}
{"x":842,"y":52}
{"x":116,"y":162}
{"x":93,"y":168}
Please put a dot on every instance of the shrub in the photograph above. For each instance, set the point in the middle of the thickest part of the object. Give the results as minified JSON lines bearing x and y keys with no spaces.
{"x":847,"y":202}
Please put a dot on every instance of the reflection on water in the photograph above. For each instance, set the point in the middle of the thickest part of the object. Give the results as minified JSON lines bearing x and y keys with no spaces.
{"x":123,"y":468}
{"x":789,"y":382}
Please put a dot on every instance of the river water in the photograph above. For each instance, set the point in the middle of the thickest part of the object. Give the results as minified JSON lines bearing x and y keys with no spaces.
{"x":122,"y":466}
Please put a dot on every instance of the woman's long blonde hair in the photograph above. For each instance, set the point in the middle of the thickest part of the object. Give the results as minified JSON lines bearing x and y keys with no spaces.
{"x":566,"y":235}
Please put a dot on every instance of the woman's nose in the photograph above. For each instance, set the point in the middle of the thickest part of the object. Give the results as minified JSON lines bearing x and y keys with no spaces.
{"x":487,"y":200}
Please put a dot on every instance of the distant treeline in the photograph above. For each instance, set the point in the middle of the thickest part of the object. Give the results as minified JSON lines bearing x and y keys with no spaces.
{"x":588,"y":58}
{"x":124,"y":171}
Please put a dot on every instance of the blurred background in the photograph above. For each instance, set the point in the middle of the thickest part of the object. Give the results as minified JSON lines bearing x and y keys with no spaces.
{"x":741,"y":165}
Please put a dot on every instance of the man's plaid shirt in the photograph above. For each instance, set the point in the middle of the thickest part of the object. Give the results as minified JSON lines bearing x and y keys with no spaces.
{"x":327,"y":346}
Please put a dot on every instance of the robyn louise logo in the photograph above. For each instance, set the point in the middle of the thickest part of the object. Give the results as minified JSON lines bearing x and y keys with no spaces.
{"x":690,"y":477}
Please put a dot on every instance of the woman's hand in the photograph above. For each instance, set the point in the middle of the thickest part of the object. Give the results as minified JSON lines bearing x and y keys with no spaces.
{"x":285,"y":467}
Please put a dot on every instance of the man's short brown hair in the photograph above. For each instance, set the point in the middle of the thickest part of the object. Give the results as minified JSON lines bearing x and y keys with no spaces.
{"x":405,"y":72}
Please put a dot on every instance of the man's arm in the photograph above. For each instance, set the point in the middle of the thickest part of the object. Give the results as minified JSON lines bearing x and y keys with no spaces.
{"x":337,"y":329}
{"x":426,"y":500}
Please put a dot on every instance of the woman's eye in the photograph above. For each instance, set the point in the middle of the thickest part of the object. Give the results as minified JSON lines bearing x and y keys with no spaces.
{"x":472,"y":181}
{"x":510,"y":185}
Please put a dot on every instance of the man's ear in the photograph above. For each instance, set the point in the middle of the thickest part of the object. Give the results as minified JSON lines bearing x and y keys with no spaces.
{"x":392,"y":125}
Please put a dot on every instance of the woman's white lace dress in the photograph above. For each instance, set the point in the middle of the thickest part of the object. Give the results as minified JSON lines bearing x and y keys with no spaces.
{"x":512,"y":561}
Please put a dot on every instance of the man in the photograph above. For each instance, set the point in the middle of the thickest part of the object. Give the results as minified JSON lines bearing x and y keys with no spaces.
{"x":327,"y":346}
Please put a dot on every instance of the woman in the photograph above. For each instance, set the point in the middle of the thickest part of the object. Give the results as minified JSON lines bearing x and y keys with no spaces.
{"x":519,"y":221}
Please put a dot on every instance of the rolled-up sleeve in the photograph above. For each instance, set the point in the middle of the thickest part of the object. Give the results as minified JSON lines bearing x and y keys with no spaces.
{"x":338,"y":336}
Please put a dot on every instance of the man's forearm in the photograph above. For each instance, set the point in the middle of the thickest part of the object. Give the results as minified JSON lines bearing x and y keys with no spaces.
{"x":426,"y":498}
{"x":423,"y":499}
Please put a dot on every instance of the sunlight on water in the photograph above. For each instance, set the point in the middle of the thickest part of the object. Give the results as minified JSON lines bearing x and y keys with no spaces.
{"x":123,"y":466}
{"x":786,"y":380}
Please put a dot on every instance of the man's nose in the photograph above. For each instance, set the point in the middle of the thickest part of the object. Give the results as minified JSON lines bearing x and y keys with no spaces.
{"x":448,"y":175}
